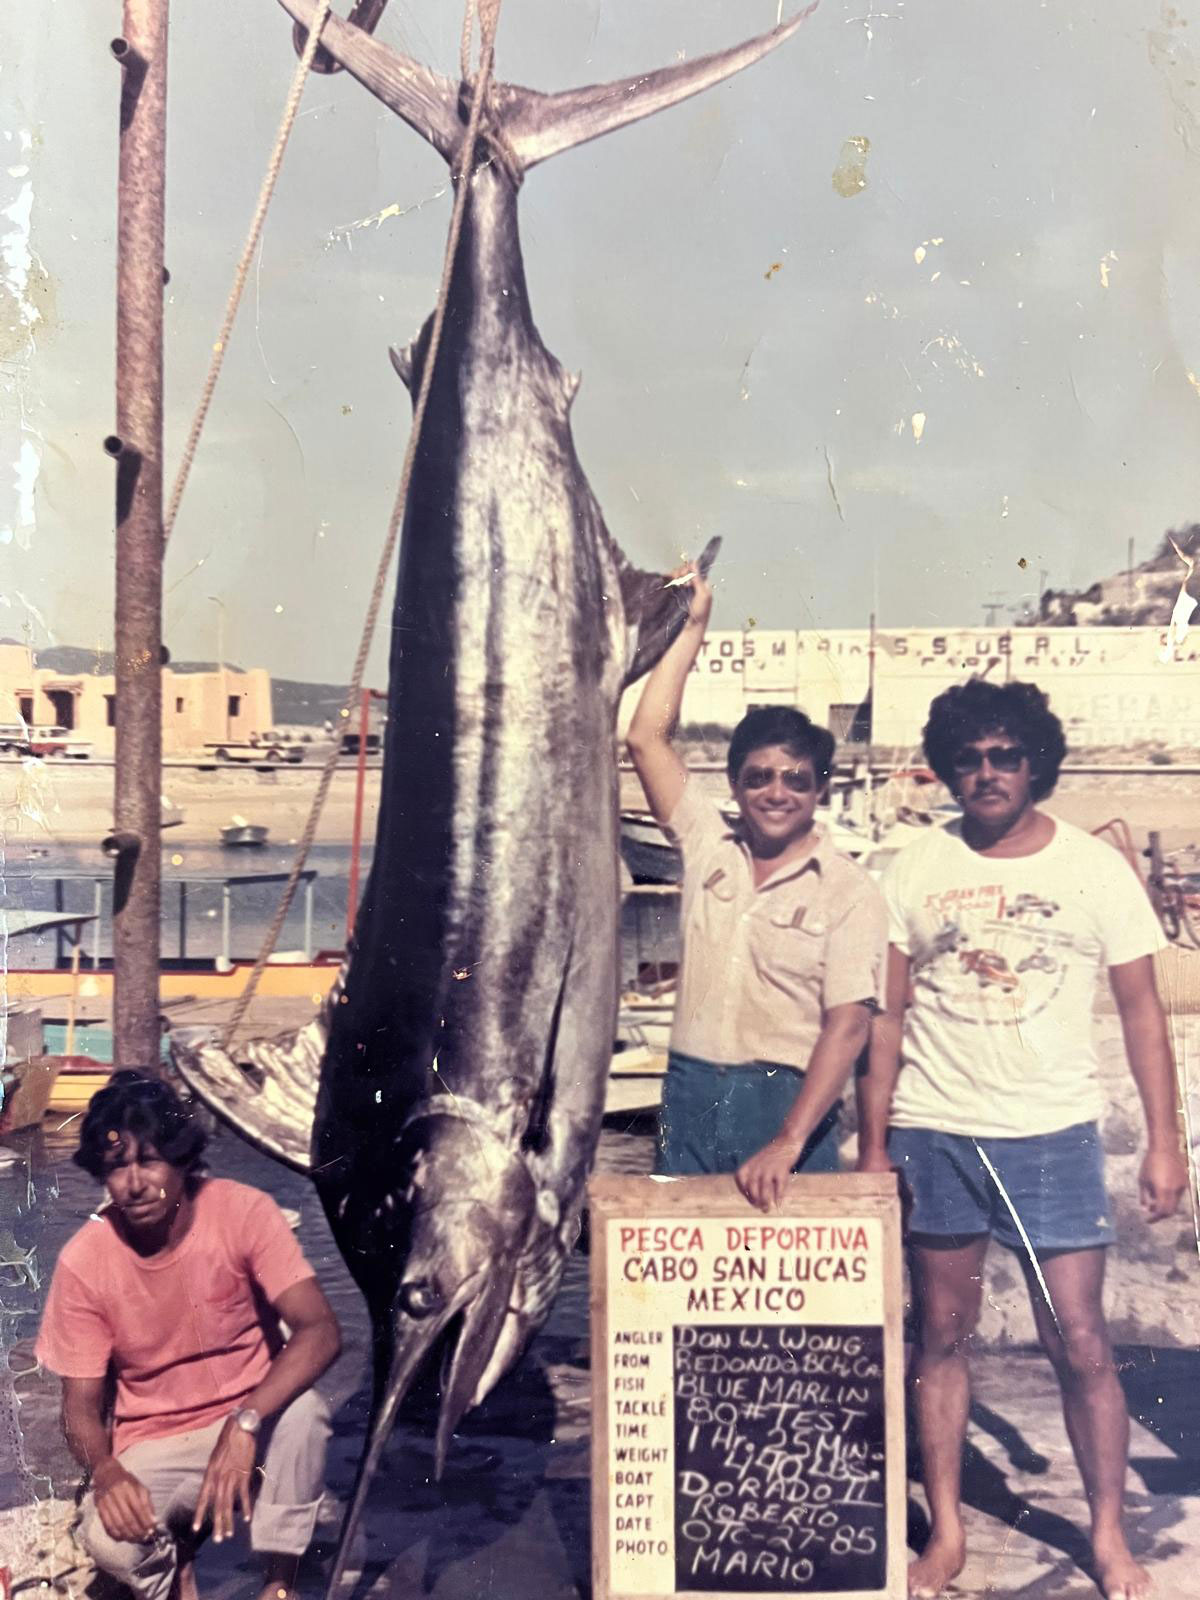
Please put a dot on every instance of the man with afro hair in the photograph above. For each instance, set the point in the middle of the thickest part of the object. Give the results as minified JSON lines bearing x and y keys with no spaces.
{"x":984,"y":1092}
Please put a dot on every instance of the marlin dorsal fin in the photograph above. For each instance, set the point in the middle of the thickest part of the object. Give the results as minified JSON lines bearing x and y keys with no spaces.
{"x":535,"y":125}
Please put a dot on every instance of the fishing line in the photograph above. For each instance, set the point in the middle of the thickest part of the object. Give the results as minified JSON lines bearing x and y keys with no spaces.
{"x":489,"y":16}
{"x":1020,"y":1227}
{"x":287,"y":122}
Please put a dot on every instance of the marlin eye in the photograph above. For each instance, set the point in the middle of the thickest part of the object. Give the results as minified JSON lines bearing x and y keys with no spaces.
{"x":419,"y":1299}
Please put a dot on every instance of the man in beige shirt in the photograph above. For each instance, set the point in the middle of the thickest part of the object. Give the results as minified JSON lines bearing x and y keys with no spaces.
{"x":783,"y":942}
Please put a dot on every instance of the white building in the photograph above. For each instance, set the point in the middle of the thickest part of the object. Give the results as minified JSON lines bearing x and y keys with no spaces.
{"x":1110,"y":686}
{"x":198,"y":708}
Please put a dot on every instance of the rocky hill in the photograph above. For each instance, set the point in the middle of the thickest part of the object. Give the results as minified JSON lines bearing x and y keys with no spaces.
{"x":1142,"y":597}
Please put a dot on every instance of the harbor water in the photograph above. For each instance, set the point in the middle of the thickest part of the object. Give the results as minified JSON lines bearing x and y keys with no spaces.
{"x":76,"y":878}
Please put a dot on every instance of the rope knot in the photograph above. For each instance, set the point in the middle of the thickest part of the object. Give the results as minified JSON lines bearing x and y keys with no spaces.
{"x":501,"y":153}
{"x":492,"y":145}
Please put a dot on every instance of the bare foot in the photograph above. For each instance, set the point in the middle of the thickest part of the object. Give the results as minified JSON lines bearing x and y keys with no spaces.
{"x":1118,"y":1575}
{"x":940,"y":1563}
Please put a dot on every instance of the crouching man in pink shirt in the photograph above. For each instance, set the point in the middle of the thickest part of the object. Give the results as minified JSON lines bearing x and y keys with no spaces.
{"x":177,"y":1290}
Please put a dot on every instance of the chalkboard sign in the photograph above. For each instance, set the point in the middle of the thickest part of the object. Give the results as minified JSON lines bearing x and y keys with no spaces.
{"x":779,"y":1458}
{"x":747,"y":1389}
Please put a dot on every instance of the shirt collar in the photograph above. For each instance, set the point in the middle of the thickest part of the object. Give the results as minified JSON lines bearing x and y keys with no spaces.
{"x":817,"y":859}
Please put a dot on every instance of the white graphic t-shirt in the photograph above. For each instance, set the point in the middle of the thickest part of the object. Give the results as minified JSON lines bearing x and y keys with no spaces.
{"x":1005,"y":955}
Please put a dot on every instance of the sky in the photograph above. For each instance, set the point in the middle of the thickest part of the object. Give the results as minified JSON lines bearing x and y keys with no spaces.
{"x":884,"y":399}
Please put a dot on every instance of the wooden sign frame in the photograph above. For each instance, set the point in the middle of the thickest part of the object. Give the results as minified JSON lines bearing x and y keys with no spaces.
{"x":833,"y":1196}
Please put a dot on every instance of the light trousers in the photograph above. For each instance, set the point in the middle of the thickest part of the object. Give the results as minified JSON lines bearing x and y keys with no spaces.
{"x":289,"y":1486}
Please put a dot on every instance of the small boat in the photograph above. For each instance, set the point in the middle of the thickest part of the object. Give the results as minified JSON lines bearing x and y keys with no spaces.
{"x":647,"y":851}
{"x":281,"y":979}
{"x":645,"y":1017}
{"x":635,"y":1081}
{"x":241,"y":835}
{"x":79,"y":1078}
{"x":28,"y":1091}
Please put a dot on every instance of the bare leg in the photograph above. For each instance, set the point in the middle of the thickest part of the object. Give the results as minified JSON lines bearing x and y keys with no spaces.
{"x":281,"y":1578}
{"x":185,"y":1577}
{"x":948,"y":1293}
{"x":1074,"y":1336}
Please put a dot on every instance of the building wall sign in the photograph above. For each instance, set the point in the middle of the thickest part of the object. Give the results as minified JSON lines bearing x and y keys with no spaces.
{"x":1110,"y":686}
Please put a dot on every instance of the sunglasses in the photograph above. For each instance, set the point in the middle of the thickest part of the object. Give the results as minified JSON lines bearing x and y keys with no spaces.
{"x":1000,"y":757}
{"x":798,"y":779}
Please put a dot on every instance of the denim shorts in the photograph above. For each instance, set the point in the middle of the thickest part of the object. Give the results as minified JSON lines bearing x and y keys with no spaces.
{"x":713,"y":1118}
{"x":962,"y":1187}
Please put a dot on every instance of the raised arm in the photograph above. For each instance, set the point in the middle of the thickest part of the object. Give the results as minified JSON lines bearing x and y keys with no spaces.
{"x":1163,"y":1177}
{"x":874,"y":1089}
{"x":658,"y":765}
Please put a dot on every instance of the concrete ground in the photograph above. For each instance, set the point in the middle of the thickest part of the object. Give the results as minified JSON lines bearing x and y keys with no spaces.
{"x":511,"y":1519}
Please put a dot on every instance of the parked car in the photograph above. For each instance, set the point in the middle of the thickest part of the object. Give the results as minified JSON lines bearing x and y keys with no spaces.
{"x":54,"y":741}
{"x":255,"y":750}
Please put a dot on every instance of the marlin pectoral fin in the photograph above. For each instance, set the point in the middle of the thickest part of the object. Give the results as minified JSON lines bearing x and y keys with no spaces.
{"x":538,"y":126}
{"x":273,"y":1104}
{"x":655,"y":610}
{"x":423,"y":98}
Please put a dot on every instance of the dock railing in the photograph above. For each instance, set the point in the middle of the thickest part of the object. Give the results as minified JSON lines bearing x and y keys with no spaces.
{"x":178,"y":889}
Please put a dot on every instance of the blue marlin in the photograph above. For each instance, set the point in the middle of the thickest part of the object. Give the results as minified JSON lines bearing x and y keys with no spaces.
{"x":447,"y":1101}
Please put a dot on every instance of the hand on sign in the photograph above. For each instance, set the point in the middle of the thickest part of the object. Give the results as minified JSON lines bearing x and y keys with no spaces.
{"x":763,"y":1179}
{"x":873,"y":1159}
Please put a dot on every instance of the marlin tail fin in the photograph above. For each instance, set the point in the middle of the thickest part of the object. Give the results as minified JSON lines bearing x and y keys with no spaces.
{"x":536,"y":126}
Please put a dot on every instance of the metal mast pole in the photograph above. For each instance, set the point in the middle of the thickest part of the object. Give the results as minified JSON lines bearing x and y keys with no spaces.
{"x":137,"y":449}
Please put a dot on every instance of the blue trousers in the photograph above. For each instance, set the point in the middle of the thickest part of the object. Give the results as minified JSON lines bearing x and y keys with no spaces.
{"x":713,"y":1118}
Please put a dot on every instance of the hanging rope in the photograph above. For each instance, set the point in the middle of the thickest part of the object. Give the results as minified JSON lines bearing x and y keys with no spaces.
{"x":468,"y":37}
{"x":489,"y":16}
{"x":287,"y":122}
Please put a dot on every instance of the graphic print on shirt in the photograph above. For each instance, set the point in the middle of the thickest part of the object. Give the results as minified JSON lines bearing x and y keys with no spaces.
{"x":989,"y":959}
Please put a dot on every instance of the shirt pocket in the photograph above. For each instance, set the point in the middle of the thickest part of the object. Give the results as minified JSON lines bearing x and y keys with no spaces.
{"x":712,"y":907}
{"x":791,"y":943}
{"x":221,"y":1304}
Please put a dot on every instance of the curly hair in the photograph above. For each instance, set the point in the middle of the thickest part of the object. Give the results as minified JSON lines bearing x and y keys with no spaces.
{"x":149,"y":1109}
{"x":786,"y":726}
{"x":969,"y":711}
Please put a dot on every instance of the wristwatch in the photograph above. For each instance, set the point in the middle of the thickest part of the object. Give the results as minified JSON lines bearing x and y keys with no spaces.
{"x":247,"y":1419}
